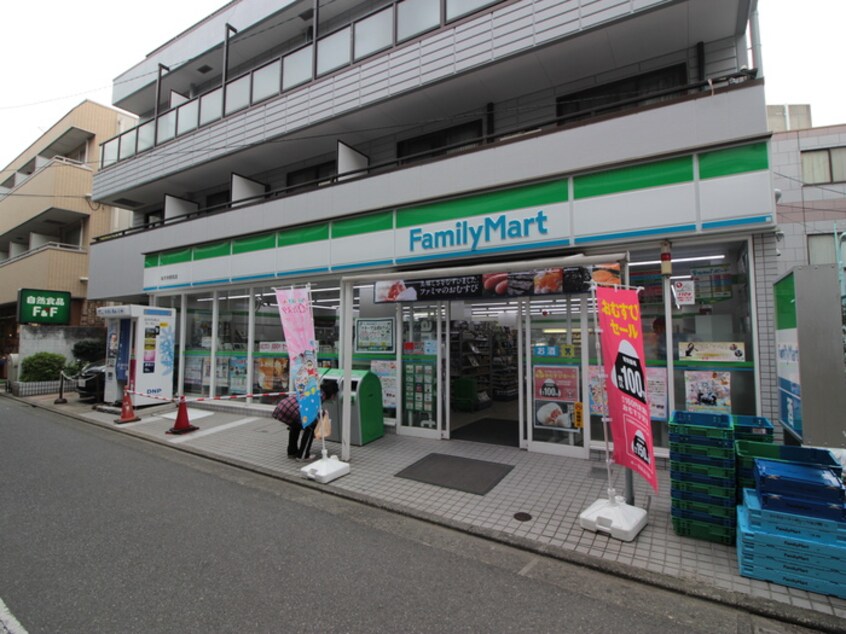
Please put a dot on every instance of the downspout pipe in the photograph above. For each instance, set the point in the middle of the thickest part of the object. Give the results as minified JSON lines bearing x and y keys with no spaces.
{"x":755,"y":40}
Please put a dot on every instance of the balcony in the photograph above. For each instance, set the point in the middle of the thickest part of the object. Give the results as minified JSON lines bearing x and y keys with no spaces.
{"x":53,"y":266}
{"x":48,"y":206}
{"x":354,"y":83}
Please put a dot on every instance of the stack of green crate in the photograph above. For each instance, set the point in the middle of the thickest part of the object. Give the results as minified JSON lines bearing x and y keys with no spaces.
{"x":758,"y":431}
{"x":703,"y":476}
{"x":754,"y":428}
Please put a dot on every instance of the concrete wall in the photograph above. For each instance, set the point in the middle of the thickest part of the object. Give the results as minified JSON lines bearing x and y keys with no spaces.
{"x":56,"y":339}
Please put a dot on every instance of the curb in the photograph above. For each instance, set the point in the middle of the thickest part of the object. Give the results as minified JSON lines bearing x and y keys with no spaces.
{"x":694,"y":588}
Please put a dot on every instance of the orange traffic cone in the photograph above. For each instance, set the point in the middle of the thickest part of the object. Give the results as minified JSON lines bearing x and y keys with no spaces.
{"x":127,"y":414}
{"x":182,"y":424}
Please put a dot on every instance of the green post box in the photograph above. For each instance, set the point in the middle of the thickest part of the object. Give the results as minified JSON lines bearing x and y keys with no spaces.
{"x":367,"y":422}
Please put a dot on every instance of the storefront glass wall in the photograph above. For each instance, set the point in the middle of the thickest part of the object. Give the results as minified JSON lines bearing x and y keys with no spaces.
{"x":231,"y":354}
{"x":198,"y":344}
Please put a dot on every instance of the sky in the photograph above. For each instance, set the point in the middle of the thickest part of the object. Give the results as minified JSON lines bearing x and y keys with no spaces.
{"x":56,"y":53}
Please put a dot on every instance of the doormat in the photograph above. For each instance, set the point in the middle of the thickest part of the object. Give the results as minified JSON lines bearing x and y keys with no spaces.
{"x":454,"y":472}
{"x":494,"y":431}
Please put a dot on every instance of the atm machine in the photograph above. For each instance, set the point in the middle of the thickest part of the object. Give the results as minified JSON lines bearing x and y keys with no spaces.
{"x":140,"y":352}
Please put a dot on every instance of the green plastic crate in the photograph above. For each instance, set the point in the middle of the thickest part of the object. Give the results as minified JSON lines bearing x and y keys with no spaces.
{"x":723,"y":433}
{"x":700,"y":488}
{"x":704,"y":531}
{"x":721,"y":512}
{"x":701,"y":450}
{"x":726,"y":474}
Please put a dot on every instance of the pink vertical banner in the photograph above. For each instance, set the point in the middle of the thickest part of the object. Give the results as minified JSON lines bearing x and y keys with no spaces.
{"x":298,"y":326}
{"x":625,"y":380}
{"x":297,"y":321}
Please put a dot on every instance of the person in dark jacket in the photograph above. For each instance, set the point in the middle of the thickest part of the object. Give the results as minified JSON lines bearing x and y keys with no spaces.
{"x":288,"y":411}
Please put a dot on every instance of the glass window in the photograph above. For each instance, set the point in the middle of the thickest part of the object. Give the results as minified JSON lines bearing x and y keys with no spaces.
{"x":457,"y":8}
{"x":166,"y":127}
{"x":231,"y":356}
{"x":296,"y":68}
{"x":266,"y":81}
{"x":374,"y":33}
{"x":211,"y":106}
{"x":821,"y":249}
{"x":237,"y":94}
{"x":416,"y":16}
{"x":187,"y":116}
{"x":816,"y":167}
{"x":198,"y":327}
{"x":110,"y":152}
{"x":334,"y":51}
{"x":270,"y":358}
{"x":838,"y":164}
{"x":127,"y":144}
{"x":146,"y":136}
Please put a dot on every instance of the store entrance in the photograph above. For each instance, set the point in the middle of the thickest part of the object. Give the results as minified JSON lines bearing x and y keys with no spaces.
{"x":483,"y":373}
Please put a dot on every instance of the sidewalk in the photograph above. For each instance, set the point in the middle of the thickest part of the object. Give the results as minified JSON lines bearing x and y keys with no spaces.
{"x":552,"y":489}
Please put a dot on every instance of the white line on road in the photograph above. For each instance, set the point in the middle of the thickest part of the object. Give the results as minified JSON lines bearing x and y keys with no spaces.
{"x":213,"y":430}
{"x":528,"y":567}
{"x":8,"y":620}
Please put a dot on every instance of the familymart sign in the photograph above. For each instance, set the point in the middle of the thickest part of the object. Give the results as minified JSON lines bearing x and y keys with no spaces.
{"x":43,"y":307}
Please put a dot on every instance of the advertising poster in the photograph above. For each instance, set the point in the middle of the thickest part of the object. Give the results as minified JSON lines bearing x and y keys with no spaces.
{"x":221,"y":373}
{"x":708,"y":391}
{"x":298,"y":326}
{"x":238,"y":375}
{"x":375,"y":335}
{"x":625,"y":380}
{"x":271,"y":374}
{"x":598,"y":397}
{"x":712,"y":351}
{"x":555,"y":390}
{"x":713,"y":283}
{"x":656,"y":389}
{"x":194,"y":370}
{"x":387,"y":373}
{"x":684,"y":292}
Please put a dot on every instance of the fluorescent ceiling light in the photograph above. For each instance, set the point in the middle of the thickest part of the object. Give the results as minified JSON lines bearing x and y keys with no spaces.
{"x":554,"y":331}
{"x":674,"y":260}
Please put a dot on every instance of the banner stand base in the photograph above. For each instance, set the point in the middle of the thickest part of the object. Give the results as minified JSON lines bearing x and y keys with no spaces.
{"x":326,"y":469}
{"x":613,"y":516}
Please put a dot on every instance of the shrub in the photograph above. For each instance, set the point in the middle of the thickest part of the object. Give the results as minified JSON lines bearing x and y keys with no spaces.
{"x":42,"y":366}
{"x":89,"y":350}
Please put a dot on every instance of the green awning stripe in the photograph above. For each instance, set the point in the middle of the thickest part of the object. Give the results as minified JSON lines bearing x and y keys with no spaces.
{"x":660,"y":174}
{"x":736,"y":160}
{"x":495,"y":202}
{"x":383,"y":221}
{"x":217,"y":250}
{"x":254,"y":243}
{"x":151,"y":260}
{"x":303,"y":235}
{"x":175,"y":257}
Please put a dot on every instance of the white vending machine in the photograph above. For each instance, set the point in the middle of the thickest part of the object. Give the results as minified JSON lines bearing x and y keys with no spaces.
{"x":140,"y":353}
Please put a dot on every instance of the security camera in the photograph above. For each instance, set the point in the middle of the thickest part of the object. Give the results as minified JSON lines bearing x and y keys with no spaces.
{"x":777,"y":193}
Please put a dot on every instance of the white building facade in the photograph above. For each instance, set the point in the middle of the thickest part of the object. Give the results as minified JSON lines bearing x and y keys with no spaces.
{"x":345,"y":145}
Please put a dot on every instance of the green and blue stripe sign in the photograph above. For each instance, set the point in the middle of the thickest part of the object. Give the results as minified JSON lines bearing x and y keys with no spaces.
{"x":726,"y":188}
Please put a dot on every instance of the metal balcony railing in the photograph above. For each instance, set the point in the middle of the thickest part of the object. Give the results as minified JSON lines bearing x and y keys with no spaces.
{"x":374,"y":33}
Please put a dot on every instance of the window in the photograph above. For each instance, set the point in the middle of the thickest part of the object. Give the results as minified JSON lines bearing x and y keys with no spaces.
{"x":441,"y":142}
{"x":618,"y":95}
{"x":216,"y":199}
{"x":316,"y":175}
{"x":821,"y":249}
{"x":824,"y":166}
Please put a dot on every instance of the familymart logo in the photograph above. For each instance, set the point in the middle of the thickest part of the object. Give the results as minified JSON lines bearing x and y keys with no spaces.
{"x":466,"y":234}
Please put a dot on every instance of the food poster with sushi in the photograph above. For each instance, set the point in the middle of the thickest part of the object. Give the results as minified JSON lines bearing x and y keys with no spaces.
{"x":626,"y":383}
{"x":555,"y":393}
{"x":549,"y":281}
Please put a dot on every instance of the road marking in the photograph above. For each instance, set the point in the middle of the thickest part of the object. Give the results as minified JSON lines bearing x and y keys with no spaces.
{"x":528,"y":567}
{"x":213,"y":430}
{"x":8,"y":620}
{"x":193,"y":414}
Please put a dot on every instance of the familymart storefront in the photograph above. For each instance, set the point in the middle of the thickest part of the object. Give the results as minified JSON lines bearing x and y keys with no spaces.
{"x":476,"y":312}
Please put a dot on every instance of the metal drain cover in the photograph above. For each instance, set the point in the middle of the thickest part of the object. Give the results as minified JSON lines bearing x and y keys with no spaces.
{"x":522,"y":517}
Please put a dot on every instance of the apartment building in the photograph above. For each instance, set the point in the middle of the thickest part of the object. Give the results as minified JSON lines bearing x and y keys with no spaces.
{"x":450,"y":175}
{"x":48,"y":217}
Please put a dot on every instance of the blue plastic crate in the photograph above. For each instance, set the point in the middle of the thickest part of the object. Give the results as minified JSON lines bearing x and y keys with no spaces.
{"x":790,"y":525}
{"x":701,"y":498}
{"x":753,"y":426}
{"x":703,"y":419}
{"x":799,"y":481}
{"x":747,"y":451}
{"x":803,"y":506}
{"x":689,"y":439}
{"x":729,"y":521}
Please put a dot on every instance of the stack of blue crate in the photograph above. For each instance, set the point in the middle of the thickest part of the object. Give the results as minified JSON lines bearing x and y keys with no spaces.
{"x":792,"y":527}
{"x":702,"y":476}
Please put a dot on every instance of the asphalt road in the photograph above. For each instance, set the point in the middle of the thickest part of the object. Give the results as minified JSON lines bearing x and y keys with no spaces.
{"x":102,"y":532}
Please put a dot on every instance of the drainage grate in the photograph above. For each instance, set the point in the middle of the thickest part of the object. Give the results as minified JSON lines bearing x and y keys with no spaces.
{"x":522,"y":517}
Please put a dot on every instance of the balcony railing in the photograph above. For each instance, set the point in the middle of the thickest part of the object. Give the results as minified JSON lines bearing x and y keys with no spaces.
{"x":374,"y":33}
{"x":43,"y":247}
{"x":618,"y":108}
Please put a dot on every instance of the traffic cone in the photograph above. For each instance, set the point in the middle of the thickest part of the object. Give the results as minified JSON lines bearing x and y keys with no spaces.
{"x":127,"y":414}
{"x":182,"y":424}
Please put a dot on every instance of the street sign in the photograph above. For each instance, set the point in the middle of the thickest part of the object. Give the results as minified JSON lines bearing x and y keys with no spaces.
{"x":43,"y":307}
